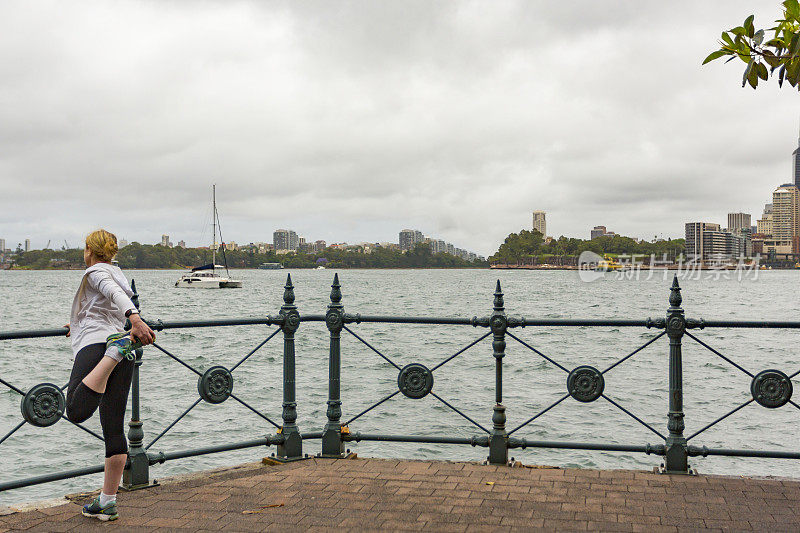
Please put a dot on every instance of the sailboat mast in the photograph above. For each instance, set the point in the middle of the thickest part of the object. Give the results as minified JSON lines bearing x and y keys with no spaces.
{"x":214,"y":227}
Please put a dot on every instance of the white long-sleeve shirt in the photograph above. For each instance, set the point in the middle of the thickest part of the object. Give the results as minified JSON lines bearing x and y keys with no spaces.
{"x":99,"y":307}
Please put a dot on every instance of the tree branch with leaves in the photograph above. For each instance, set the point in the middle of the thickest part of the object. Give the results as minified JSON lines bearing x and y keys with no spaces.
{"x":778,"y":56}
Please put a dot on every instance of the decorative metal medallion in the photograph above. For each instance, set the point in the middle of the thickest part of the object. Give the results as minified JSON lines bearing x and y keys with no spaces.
{"x":771,"y":388}
{"x":43,"y":405}
{"x":292,"y":320}
{"x":215,"y":385}
{"x":333,"y":320}
{"x":585,"y":384}
{"x":676,"y":323}
{"x":415,"y":381}
{"x":498,"y":324}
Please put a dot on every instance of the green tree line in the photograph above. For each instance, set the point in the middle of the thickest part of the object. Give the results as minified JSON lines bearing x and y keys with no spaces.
{"x":526,"y":245}
{"x":137,"y":255}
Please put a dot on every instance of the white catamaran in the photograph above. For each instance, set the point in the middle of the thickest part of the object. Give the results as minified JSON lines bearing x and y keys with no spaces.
{"x":206,"y":277}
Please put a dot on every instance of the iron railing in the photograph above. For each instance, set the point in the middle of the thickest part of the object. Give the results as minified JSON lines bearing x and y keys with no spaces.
{"x":43,"y":404}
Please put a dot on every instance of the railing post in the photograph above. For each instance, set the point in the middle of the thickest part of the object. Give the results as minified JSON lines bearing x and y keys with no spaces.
{"x":292,"y":446}
{"x":137,"y":473}
{"x":498,"y":440}
{"x":676,"y":456}
{"x":332,"y":445}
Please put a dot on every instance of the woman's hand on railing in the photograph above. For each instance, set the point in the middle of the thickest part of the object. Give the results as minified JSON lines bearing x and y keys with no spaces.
{"x":68,"y":330}
{"x":140,"y":330}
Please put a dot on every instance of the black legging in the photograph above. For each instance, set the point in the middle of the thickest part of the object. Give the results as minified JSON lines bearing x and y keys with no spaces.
{"x":83,"y":401}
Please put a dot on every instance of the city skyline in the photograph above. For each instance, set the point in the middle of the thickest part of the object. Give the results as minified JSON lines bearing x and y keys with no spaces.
{"x":433,"y":116}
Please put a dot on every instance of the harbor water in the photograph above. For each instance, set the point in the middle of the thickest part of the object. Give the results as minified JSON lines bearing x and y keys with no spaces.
{"x":712,"y":387}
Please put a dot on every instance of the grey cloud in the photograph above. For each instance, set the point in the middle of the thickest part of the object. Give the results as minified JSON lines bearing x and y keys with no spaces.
{"x":352,"y":120}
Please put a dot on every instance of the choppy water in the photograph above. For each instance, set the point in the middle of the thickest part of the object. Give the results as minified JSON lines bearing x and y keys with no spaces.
{"x":711,"y":386}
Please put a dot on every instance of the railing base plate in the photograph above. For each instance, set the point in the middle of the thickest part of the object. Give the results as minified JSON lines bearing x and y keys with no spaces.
{"x":661,"y":469}
{"x":132,"y":488}
{"x":273,"y":459}
{"x":348,"y":455}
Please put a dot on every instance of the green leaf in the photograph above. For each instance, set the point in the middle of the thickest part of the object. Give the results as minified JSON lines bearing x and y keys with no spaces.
{"x":792,"y":72}
{"x":738,"y":30}
{"x":758,"y":38}
{"x":792,"y":8}
{"x":715,"y":55}
{"x":747,"y":72}
{"x":761,"y":71}
{"x":752,"y":78}
{"x":794,"y":46}
{"x":748,"y":25}
{"x":727,"y":38}
{"x":771,"y":60}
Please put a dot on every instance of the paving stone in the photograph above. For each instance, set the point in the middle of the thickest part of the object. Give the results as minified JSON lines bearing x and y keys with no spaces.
{"x":375,"y":494}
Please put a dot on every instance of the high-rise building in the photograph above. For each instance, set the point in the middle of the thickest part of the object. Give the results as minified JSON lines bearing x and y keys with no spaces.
{"x":2,"y":245}
{"x":796,"y":165}
{"x":406,"y":239}
{"x":695,"y":238}
{"x":786,"y":217}
{"x":738,"y":222}
{"x":598,"y":231}
{"x":539,"y":222}
{"x":764,"y":224}
{"x":165,"y":241}
{"x":123,"y":243}
{"x":27,"y":245}
{"x":285,"y":239}
{"x":723,"y":245}
{"x":409,"y":238}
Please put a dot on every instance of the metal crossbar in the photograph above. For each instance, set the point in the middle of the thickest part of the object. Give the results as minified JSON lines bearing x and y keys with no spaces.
{"x":186,"y":412}
{"x":642,"y":422}
{"x":12,"y":387}
{"x":637,"y":350}
{"x":371,"y":347}
{"x":712,"y":350}
{"x":254,"y":350}
{"x":540,"y":413}
{"x":12,"y":431}
{"x":256,"y":411}
{"x":459,"y":412}
{"x":177,"y":359}
{"x":720,"y":419}
{"x":537,"y":352}
{"x":462,"y":350}
{"x":87,"y":430}
{"x":368,"y":409}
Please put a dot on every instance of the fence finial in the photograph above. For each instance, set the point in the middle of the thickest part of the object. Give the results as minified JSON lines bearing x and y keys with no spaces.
{"x":675,"y":297}
{"x":288,"y":293}
{"x":499,"y":304}
{"x":336,"y":291}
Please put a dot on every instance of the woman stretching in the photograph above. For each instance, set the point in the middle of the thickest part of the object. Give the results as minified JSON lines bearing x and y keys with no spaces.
{"x":101,"y":375}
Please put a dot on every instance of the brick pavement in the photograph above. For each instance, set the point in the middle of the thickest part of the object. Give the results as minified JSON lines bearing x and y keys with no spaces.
{"x":379,"y":494}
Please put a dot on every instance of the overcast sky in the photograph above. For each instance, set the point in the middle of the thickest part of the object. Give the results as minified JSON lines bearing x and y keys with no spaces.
{"x":349,"y":121}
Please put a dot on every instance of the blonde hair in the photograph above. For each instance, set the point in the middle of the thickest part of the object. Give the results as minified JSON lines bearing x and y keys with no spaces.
{"x":102,"y":244}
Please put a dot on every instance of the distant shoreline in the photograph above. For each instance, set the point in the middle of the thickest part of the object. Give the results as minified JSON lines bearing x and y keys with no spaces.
{"x":17,"y":269}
